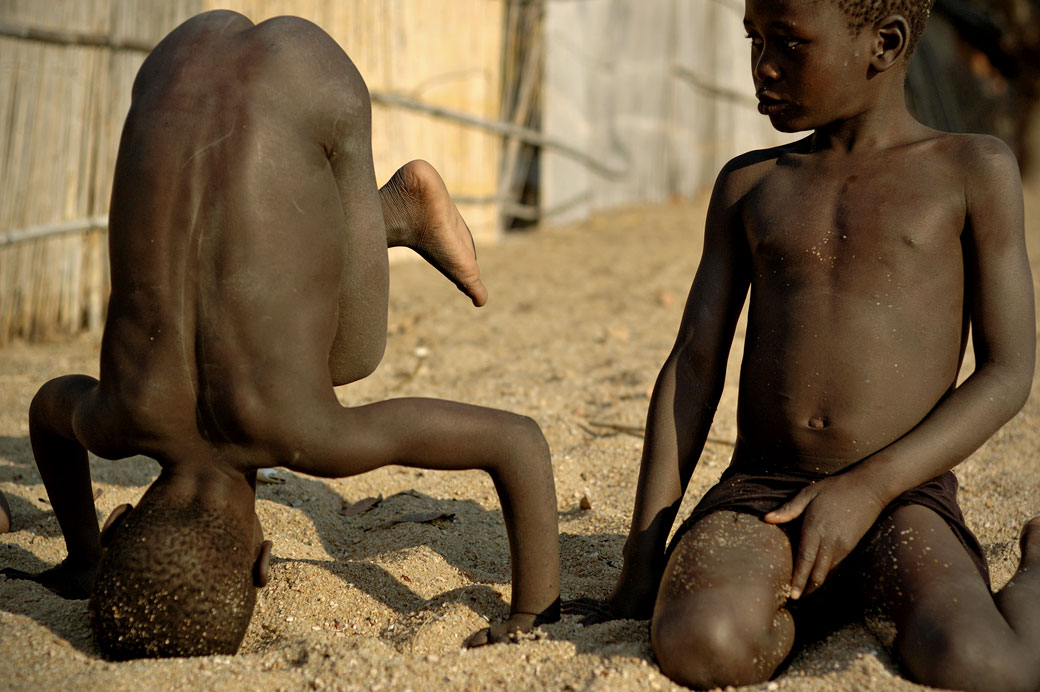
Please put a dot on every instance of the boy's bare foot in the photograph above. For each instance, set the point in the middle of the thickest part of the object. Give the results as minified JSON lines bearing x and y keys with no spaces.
{"x":420,"y":214}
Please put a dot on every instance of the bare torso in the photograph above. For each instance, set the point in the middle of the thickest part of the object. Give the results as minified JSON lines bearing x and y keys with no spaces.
{"x":229,"y":242}
{"x":857,"y":320}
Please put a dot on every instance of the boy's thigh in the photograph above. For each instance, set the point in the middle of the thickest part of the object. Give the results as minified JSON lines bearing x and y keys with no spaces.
{"x":917,"y":574}
{"x":728,"y":562}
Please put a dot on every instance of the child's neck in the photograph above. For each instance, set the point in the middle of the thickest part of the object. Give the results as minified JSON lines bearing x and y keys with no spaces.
{"x":886,"y":123}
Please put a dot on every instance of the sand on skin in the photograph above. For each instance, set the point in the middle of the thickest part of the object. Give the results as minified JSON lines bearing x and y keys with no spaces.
{"x":578,"y":322}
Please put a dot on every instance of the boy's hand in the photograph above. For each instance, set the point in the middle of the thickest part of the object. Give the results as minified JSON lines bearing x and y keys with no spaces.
{"x":632,"y":599}
{"x":68,"y":579}
{"x":420,"y":214}
{"x":838,"y":511}
{"x":594,"y":611}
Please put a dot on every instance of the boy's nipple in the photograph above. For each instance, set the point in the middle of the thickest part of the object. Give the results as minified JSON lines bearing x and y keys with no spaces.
{"x":817,"y":423}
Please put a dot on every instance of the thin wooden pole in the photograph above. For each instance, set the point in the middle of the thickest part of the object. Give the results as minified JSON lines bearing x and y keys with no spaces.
{"x":502,"y":128}
{"x":53,"y":229}
{"x":73,"y":38}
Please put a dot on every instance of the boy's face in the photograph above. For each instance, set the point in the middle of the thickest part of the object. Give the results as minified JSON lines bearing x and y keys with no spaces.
{"x":809,"y":70}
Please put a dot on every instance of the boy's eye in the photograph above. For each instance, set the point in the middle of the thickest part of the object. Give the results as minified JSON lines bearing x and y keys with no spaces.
{"x":755,"y":40}
{"x":792,"y":43}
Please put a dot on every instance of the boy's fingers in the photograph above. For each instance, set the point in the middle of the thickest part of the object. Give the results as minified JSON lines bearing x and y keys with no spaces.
{"x":821,"y":568}
{"x":590,"y":610}
{"x":804,"y":564}
{"x":791,"y":509}
{"x":578,"y":606}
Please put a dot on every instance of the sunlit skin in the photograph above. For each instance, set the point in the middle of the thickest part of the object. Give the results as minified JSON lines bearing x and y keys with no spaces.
{"x":867,"y":248}
{"x":248,"y":248}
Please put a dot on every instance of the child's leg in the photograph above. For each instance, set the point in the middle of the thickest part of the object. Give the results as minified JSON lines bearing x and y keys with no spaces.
{"x":62,"y":462}
{"x":951,"y":631}
{"x":434,"y":434}
{"x":720,"y":618}
{"x":418,"y":213}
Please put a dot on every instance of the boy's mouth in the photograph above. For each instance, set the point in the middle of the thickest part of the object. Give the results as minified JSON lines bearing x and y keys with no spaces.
{"x":769,"y":103}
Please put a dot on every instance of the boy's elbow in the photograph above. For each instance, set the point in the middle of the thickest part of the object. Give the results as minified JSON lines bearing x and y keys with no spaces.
{"x":1015,"y":383}
{"x":1020,"y":396}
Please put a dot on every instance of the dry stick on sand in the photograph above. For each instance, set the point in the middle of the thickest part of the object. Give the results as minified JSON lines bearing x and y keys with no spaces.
{"x":637,"y":431}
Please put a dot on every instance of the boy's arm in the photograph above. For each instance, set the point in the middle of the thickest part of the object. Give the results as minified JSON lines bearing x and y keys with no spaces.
{"x":62,"y":462}
{"x":682,"y":406}
{"x":445,"y":435}
{"x":840,"y":510}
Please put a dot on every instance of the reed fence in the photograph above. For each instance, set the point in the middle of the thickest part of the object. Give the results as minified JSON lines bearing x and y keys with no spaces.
{"x":66,"y":69}
{"x":531,"y":109}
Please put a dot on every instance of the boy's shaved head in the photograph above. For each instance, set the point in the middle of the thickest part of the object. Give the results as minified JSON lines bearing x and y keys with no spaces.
{"x":175,"y":580}
{"x":863,"y":13}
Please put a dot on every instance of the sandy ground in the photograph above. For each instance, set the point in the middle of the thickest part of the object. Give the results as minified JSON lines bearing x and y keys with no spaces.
{"x":579,"y":321}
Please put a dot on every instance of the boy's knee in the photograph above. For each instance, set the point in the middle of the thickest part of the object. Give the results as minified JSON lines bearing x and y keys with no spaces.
{"x":528,"y":436}
{"x":57,"y":398}
{"x":704,"y":651}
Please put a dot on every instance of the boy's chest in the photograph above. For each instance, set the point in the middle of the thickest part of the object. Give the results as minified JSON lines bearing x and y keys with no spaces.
{"x":806,"y":218}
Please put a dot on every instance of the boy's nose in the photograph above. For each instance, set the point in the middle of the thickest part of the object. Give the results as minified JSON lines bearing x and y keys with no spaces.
{"x":764,"y":69}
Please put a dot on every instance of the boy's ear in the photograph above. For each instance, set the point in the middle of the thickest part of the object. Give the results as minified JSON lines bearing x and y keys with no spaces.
{"x":891,"y":37}
{"x":112,"y":523}
{"x":262,"y":564}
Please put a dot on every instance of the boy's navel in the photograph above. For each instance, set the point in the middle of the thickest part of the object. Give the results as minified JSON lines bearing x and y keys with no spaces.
{"x":817,"y":423}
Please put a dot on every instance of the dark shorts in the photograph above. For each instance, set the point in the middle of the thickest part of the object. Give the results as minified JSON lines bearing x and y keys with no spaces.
{"x":759,"y":493}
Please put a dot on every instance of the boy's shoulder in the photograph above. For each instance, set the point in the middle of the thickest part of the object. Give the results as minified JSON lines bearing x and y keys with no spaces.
{"x":986,"y":159}
{"x":968,"y":148}
{"x":984,"y":165}
{"x":744,"y":171}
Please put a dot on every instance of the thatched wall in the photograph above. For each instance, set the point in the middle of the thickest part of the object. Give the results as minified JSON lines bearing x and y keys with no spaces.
{"x":534,"y":110}
{"x":59,"y":130}
{"x":64,"y":104}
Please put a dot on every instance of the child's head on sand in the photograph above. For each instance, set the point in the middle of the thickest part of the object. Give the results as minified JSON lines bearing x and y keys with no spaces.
{"x":816,"y":62}
{"x":175,"y":579}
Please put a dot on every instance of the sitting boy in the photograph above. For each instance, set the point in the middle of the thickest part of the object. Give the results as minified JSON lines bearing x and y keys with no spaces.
{"x":248,"y":247}
{"x":868,"y":248}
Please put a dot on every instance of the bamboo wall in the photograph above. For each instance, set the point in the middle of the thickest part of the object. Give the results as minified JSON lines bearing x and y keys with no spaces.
{"x":63,"y":107}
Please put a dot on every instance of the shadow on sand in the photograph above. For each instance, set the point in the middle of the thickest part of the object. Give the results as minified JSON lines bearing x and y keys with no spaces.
{"x":459,"y":530}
